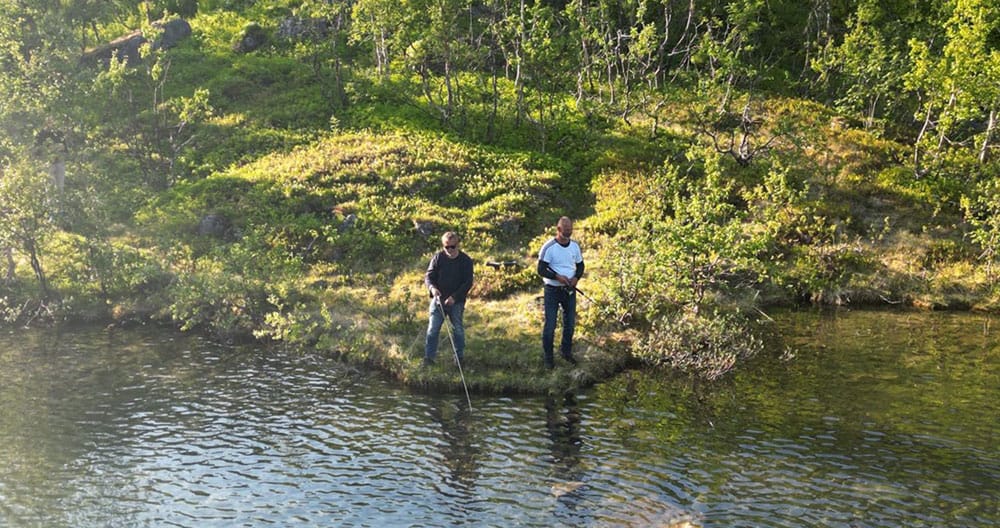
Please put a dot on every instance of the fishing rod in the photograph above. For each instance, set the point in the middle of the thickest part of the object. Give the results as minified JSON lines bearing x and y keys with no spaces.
{"x":578,"y":290}
{"x":458,"y":360}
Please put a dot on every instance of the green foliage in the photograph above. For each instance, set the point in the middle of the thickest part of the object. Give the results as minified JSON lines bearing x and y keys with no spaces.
{"x":270,"y":91}
{"x":957,"y":80}
{"x":706,"y":346}
{"x":29,"y":205}
{"x":122,"y":271}
{"x":500,"y":282}
{"x":247,"y":193}
{"x":229,"y":292}
{"x":866,"y":70}
{"x":251,"y":31}
{"x":684,"y":242}
{"x":982,"y":212}
{"x":824,"y":273}
{"x":814,"y":257}
{"x":181,"y":8}
{"x":389,"y":185}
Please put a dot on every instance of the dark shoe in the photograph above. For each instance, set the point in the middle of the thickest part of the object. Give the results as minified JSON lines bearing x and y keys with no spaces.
{"x":570,"y":359}
{"x":428,"y":362}
{"x":549,"y":365}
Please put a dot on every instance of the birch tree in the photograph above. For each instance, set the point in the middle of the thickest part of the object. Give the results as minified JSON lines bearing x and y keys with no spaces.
{"x":958,"y":85}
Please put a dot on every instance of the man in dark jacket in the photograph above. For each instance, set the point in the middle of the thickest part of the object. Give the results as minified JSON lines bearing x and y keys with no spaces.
{"x":448,"y":278}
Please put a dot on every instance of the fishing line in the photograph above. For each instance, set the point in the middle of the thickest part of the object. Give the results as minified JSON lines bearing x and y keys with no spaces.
{"x":458,"y":360}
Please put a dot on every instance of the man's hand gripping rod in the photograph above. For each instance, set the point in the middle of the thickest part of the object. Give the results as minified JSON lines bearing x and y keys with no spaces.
{"x":549,"y":268}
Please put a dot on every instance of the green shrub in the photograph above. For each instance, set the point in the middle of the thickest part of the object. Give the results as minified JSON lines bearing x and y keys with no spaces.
{"x":682,"y":243}
{"x":706,"y":346}
{"x":825,"y":273}
{"x":182,"y":8}
{"x":982,"y":212}
{"x":500,"y":282}
{"x":230,"y":291}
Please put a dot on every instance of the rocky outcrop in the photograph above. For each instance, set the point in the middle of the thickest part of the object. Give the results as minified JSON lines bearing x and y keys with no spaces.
{"x":215,"y":226}
{"x":297,"y":28}
{"x":252,"y":38}
{"x":127,"y":47}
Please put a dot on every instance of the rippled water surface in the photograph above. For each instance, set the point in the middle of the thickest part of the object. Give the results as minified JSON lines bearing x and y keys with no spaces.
{"x":857,"y":420}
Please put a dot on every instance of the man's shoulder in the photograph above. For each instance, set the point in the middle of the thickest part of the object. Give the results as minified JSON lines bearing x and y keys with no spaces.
{"x":549,"y":243}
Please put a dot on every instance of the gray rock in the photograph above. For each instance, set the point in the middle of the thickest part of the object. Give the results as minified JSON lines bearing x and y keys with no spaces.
{"x":174,"y":31}
{"x":423,"y":227}
{"x":127,"y":46}
{"x":215,"y":225}
{"x":253,"y":38}
{"x":348,"y":223}
{"x":297,"y":28}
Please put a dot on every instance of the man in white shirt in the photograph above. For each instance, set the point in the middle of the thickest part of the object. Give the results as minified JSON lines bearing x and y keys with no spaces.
{"x":560,"y":263}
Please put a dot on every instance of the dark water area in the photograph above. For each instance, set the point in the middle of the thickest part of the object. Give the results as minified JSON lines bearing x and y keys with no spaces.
{"x":856,"y":419}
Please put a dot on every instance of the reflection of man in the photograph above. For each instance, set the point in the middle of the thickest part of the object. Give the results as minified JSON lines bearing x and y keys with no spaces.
{"x":560,"y":263}
{"x":459,"y":448}
{"x":449,"y":278}
{"x":563,"y":422}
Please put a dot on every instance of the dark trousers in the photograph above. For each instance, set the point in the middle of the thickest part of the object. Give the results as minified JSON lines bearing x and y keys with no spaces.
{"x":556,"y":297}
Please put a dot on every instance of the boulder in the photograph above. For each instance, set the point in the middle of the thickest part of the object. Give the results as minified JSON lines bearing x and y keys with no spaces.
{"x":297,"y":28}
{"x":348,"y":223}
{"x":424,"y":227}
{"x":127,"y":47}
{"x":252,"y":38}
{"x":174,"y":31}
{"x":215,"y":225}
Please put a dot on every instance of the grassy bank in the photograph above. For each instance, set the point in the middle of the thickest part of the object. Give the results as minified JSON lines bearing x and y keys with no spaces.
{"x":271,"y":196}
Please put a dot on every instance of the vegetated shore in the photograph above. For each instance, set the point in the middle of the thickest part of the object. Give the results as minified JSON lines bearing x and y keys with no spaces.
{"x":503,"y":352}
{"x":274,"y":192}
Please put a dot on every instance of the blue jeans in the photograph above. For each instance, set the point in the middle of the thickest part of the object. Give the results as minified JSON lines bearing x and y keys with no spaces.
{"x":555,"y":297}
{"x":455,"y":313}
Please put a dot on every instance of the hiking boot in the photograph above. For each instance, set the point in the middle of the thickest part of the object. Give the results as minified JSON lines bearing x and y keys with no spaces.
{"x":570,"y":359}
{"x":549,"y":365}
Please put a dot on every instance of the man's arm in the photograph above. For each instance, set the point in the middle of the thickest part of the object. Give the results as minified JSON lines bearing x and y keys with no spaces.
{"x":431,"y":276}
{"x":545,"y":270}
{"x":467,"y":277}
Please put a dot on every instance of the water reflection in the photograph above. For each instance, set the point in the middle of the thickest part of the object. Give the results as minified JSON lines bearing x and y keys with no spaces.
{"x":880,"y":420}
{"x":459,"y":449}
{"x":562,"y":420}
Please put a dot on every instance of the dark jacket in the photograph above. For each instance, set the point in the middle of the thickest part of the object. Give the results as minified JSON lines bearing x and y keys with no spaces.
{"x":452,"y":276}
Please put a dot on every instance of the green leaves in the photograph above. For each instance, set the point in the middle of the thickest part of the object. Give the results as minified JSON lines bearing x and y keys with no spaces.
{"x":982,"y":212}
{"x":685,"y":243}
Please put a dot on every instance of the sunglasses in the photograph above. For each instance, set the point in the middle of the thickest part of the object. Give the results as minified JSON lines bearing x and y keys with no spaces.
{"x":450,"y":247}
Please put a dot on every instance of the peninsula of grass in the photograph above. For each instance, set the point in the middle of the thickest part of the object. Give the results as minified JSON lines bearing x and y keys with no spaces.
{"x":291,"y":193}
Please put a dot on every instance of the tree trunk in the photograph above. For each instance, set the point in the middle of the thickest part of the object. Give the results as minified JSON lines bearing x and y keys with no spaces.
{"x":984,"y":149}
{"x":11,"y":266}
{"x":518,"y":83}
{"x":872,"y":109}
{"x":917,"y":158}
{"x":449,"y":89}
{"x":382,"y":54}
{"x":949,"y":106}
{"x":491,"y":123}
{"x":36,"y":265}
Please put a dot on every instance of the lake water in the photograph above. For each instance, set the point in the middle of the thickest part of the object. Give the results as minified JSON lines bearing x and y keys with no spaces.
{"x":857,"y":419}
